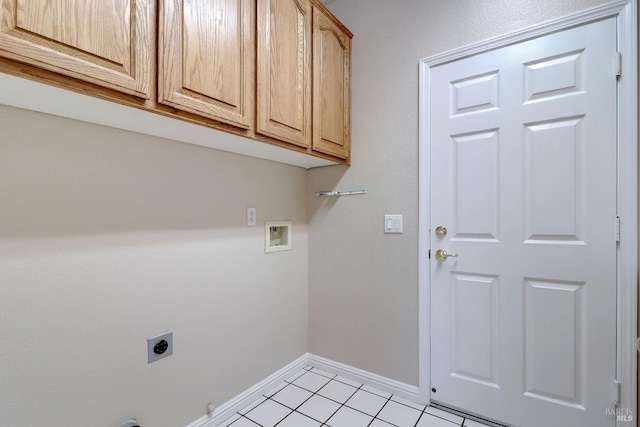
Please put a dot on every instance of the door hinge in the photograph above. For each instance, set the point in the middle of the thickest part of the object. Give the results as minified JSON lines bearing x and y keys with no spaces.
{"x":429,"y":253}
{"x":617,"y":231}
{"x":617,"y":390}
{"x":618,"y":64}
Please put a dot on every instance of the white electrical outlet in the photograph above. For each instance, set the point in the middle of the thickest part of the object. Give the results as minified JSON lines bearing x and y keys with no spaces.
{"x":251,"y":217}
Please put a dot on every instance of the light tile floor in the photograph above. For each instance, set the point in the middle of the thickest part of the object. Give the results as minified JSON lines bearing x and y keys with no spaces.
{"x":314,"y":398}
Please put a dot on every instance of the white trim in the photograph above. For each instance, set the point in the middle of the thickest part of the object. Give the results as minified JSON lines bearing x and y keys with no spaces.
{"x":242,"y":400}
{"x":406,"y":391}
{"x":424,"y":242}
{"x":230,"y":407}
{"x":628,"y":209}
{"x":31,"y":95}
{"x":579,"y":18}
{"x":626,"y":13}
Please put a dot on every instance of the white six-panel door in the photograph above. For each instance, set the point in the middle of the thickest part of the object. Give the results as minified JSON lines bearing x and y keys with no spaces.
{"x":523,"y":177}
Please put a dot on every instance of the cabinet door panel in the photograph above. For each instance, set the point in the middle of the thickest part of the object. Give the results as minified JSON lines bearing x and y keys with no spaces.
{"x":284,"y":70}
{"x":331,"y":88}
{"x":206,"y":53}
{"x":107,"y":42}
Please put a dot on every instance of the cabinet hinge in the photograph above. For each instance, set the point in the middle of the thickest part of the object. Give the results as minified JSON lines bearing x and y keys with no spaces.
{"x":617,"y":229}
{"x":618,"y":64}
{"x":429,"y":253}
{"x":617,"y":390}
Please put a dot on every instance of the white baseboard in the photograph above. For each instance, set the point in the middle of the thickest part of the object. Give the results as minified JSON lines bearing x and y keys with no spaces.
{"x":226,"y":410}
{"x":406,"y":391}
{"x":230,"y":407}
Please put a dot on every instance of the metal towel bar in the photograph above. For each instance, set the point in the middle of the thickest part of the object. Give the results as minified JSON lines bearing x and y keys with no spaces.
{"x":339,"y":193}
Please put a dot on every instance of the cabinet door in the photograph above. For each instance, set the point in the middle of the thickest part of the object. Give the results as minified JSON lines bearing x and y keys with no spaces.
{"x":284,"y":70}
{"x":331,"y":87}
{"x":206,"y":58}
{"x":106,"y":42}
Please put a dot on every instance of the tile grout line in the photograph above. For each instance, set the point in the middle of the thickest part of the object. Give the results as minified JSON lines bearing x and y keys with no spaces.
{"x":250,"y":420}
{"x":305,"y":401}
{"x":359,"y":388}
{"x":375,"y":417}
{"x":331,"y":378}
{"x":341,"y":404}
{"x":422,"y":414}
{"x":313,"y":394}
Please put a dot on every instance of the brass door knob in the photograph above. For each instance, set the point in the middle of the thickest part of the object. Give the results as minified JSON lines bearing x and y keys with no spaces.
{"x":441,"y":231}
{"x":442,"y":255}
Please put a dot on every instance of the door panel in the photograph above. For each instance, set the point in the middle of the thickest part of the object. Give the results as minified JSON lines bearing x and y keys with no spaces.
{"x":475,"y":93}
{"x":554,"y":320}
{"x":523,"y":176}
{"x":474,"y":328}
{"x":475,"y":182}
{"x":554,"y":192}
{"x":552,"y":77}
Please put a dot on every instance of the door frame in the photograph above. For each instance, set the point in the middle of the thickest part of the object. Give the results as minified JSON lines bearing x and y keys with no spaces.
{"x":625,"y":11}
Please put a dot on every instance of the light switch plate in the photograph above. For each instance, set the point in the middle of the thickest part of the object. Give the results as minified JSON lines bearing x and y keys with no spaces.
{"x":251,"y":217}
{"x":393,"y":224}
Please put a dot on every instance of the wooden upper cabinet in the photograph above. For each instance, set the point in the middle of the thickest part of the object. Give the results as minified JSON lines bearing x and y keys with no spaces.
{"x":206,"y":58}
{"x":284,"y":70}
{"x":277,"y":71}
{"x":331,"y":87}
{"x":108,"y":42}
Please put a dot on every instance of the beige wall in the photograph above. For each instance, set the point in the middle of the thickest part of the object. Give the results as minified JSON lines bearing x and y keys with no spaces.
{"x":364,"y":284}
{"x":108,"y":238}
